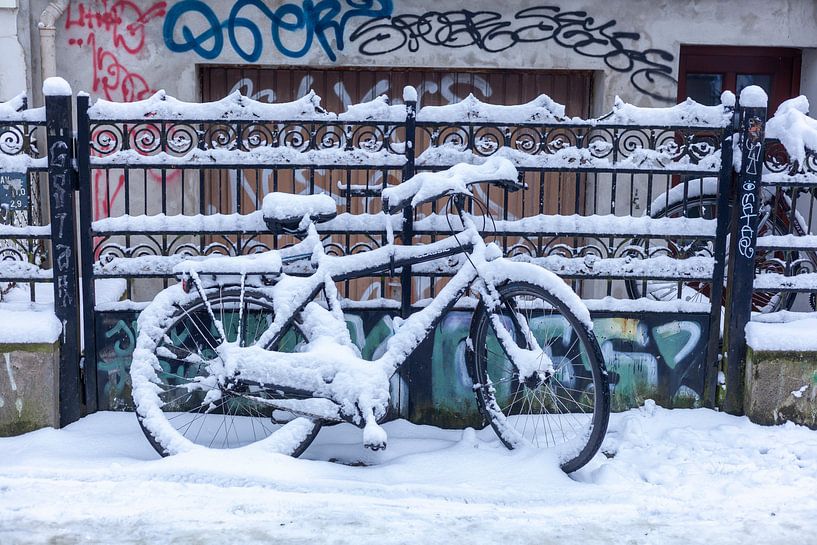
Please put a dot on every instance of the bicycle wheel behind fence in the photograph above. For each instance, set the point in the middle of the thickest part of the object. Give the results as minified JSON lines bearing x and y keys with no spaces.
{"x":706,"y":206}
{"x":567,"y":412}
{"x":199,"y":410}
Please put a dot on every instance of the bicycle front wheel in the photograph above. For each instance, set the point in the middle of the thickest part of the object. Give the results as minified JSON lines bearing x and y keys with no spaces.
{"x":566,"y":411}
{"x":180,"y":403}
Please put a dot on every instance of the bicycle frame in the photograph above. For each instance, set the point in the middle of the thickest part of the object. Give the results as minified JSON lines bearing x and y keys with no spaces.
{"x":291,"y":295}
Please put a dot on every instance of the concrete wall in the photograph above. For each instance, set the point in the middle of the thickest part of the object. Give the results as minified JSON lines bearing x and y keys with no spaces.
{"x":808,"y":77}
{"x":123,"y":50}
{"x":29,"y":393}
{"x":781,"y":387}
{"x":13,"y":72}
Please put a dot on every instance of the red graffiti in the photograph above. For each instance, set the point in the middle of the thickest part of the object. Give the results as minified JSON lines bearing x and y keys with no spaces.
{"x":123,"y":23}
{"x":114,"y":31}
{"x":111,"y":78}
{"x":103,"y":195}
{"x":130,"y":36}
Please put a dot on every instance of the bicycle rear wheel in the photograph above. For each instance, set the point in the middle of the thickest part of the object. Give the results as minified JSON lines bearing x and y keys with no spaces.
{"x":179,"y":403}
{"x":568,"y":411}
{"x":705,"y":206}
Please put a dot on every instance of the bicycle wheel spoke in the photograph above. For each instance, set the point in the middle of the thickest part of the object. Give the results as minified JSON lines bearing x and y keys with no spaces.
{"x":547,"y":410}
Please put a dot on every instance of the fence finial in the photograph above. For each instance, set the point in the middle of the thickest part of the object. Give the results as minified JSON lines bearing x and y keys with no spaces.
{"x":409,"y":94}
{"x":56,"y":86}
{"x":753,"y":97}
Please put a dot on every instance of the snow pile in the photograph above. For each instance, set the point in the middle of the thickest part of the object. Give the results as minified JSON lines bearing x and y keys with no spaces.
{"x":572,"y":158}
{"x":671,"y":477}
{"x":11,"y":111}
{"x":197,"y":223}
{"x":21,"y":163}
{"x":12,"y":158}
{"x":287,"y":206}
{"x":12,"y":231}
{"x":378,"y":110}
{"x":753,"y":96}
{"x":233,"y":107}
{"x":769,"y":281}
{"x":792,"y":126}
{"x":594,"y":224}
{"x":660,"y":267}
{"x":28,"y":323}
{"x":56,"y":86}
{"x":644,"y":304}
{"x":686,"y":114}
{"x":262,"y":263}
{"x":14,"y":269}
{"x":262,"y":155}
{"x":542,"y":109}
{"x":782,"y":332}
{"x":787,"y":241}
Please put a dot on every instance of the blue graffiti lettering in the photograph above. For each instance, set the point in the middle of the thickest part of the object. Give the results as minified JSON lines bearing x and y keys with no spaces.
{"x":314,"y":20}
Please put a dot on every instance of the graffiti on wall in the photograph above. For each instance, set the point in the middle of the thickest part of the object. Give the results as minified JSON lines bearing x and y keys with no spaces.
{"x":113,"y":31}
{"x":654,"y":356}
{"x":115,"y":34}
{"x":493,"y":32}
{"x":294,"y":28}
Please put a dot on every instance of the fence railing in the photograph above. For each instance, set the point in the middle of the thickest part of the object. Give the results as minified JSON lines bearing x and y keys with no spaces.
{"x":33,"y":252}
{"x":172,"y":180}
{"x":628,"y":208}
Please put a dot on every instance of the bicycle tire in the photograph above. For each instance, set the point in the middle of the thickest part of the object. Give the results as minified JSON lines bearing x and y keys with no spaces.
{"x":704,"y":206}
{"x":176,"y":323}
{"x":576,"y":396}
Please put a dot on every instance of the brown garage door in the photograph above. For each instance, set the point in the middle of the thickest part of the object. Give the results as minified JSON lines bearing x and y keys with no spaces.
{"x":341,"y":87}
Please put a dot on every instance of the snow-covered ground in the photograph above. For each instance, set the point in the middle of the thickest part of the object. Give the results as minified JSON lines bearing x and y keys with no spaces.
{"x":681,"y":476}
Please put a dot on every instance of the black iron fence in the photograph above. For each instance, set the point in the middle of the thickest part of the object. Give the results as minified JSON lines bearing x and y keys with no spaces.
{"x":33,"y":251}
{"x":628,"y":208}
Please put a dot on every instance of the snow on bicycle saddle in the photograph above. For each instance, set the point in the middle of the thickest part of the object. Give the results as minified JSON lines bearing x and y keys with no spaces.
{"x":287,"y":211}
{"x":428,"y":186}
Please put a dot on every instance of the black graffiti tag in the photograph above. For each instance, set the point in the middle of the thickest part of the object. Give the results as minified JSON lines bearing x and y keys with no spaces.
{"x":494,"y":32}
{"x":747,"y":213}
{"x":747,"y":200}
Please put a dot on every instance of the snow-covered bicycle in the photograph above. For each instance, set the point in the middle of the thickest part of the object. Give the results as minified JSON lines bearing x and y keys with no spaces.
{"x":240,"y":352}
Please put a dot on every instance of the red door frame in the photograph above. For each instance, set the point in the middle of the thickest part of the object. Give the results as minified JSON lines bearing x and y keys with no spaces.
{"x":783,"y":63}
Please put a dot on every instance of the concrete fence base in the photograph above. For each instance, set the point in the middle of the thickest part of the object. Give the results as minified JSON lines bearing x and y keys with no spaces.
{"x":29,"y":387}
{"x":781,"y":387}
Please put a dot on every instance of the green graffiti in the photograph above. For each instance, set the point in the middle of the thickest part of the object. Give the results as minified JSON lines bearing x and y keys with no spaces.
{"x":676,"y":340}
{"x":116,"y":352}
{"x":654,"y":357}
{"x":112,"y":374}
{"x":451,"y":391}
{"x":372,"y":343}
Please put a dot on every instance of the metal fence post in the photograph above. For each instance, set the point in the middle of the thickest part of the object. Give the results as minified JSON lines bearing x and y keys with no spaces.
{"x":61,"y":185}
{"x":743,"y":240}
{"x":713,"y":349}
{"x":407,"y":232}
{"x":87,"y":250}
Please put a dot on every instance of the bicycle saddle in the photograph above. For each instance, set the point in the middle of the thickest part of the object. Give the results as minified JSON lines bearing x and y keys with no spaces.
{"x":429,"y":186}
{"x":286,"y":212}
